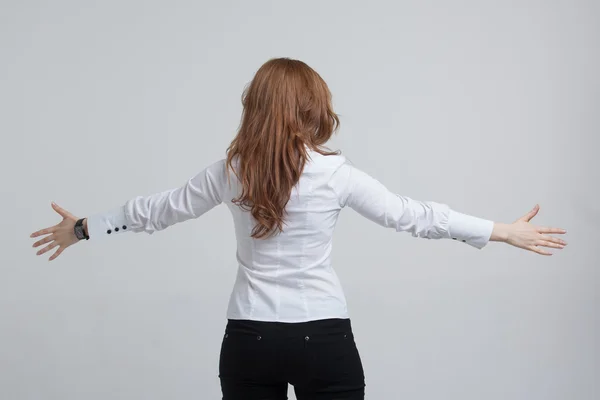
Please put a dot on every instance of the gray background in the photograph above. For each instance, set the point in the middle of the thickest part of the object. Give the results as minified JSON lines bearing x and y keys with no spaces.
{"x":489,"y":107}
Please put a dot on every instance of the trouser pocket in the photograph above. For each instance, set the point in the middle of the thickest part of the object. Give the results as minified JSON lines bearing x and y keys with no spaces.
{"x":243,"y":353}
{"x":333,"y":359}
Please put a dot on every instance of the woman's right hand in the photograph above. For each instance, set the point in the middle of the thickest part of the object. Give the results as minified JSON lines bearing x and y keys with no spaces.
{"x":61,"y":235}
{"x":523,"y":234}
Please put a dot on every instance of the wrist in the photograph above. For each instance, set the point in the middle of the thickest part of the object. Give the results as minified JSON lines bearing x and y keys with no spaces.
{"x":80,"y":230}
{"x":500,"y":232}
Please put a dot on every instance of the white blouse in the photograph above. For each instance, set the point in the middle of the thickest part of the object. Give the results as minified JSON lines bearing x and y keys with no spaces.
{"x":289,"y":277}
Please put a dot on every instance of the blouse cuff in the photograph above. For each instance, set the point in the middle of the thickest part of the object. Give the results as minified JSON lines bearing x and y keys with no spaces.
{"x":107,"y":223}
{"x":469,"y":229}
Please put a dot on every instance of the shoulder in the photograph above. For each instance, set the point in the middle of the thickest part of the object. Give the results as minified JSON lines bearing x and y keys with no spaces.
{"x":336,"y":170}
{"x":214,"y":173}
{"x":216,"y":168}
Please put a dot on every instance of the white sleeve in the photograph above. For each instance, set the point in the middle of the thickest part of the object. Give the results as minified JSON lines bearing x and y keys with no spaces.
{"x":158,"y":211}
{"x":425,"y":219}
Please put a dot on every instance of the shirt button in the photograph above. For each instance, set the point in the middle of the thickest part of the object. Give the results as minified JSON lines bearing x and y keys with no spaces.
{"x":108,"y":231}
{"x":258,"y":338}
{"x":124,"y":226}
{"x":307,"y":338}
{"x":464,"y":240}
{"x":117,"y":229}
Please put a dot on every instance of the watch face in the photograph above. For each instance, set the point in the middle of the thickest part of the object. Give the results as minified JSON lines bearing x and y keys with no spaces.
{"x":79,"y":232}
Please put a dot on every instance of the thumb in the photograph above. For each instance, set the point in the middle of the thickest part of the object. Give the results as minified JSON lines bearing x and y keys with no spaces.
{"x":61,"y":211}
{"x":528,"y":217}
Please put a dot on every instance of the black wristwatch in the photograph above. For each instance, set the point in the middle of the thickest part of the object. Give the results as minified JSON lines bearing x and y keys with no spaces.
{"x":79,"y":231}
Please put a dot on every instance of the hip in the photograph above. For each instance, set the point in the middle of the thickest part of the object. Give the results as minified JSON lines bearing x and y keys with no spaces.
{"x":314,"y":356}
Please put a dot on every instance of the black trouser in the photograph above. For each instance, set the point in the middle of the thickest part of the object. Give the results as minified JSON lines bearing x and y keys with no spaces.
{"x":319,"y":358}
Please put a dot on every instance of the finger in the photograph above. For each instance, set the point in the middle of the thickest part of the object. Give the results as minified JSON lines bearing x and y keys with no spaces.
{"x":56,"y":253}
{"x":45,"y":231}
{"x":64,"y":213}
{"x":47,"y":248}
{"x":44,"y":240}
{"x":553,"y":239}
{"x":527,"y":217}
{"x":536,"y":249}
{"x":553,"y":245}
{"x":544,"y":229}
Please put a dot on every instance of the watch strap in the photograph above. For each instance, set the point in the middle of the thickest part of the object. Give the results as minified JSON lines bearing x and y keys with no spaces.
{"x":79,"y":230}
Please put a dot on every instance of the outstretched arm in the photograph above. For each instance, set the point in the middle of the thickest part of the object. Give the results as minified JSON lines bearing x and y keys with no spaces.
{"x":432,"y":220}
{"x":142,"y":213}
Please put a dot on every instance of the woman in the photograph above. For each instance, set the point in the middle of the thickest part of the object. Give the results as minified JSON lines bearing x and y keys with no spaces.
{"x":287,"y":316}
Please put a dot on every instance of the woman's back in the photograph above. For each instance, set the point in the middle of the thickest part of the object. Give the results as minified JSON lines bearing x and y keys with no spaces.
{"x":289,"y":276}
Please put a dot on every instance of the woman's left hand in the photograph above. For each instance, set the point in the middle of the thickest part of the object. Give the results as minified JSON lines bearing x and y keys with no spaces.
{"x":523,"y":234}
{"x":61,"y":235}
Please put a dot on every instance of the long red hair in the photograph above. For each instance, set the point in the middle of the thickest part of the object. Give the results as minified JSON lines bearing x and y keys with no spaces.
{"x":286,"y":109}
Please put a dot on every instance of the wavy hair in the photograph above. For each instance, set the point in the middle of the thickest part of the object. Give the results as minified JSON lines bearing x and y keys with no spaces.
{"x":286,"y":110}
